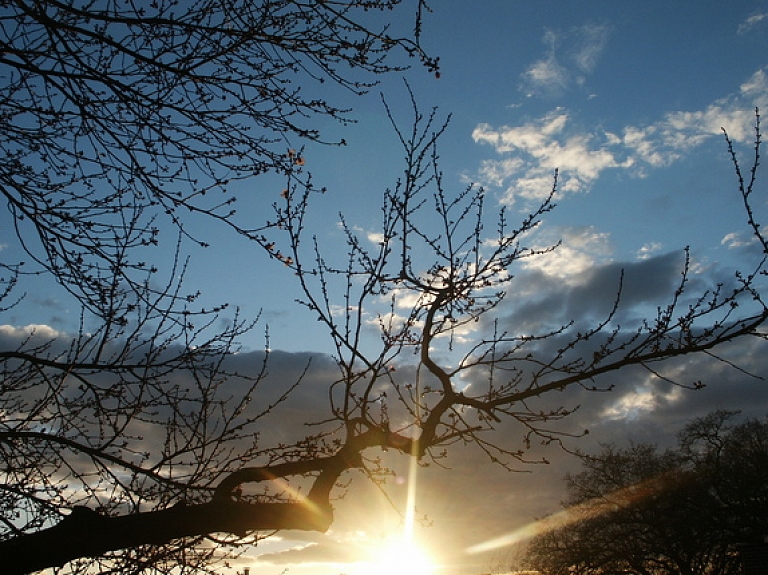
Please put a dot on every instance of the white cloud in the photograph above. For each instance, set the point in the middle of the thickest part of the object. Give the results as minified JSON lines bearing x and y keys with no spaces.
{"x":341,"y":311}
{"x":543,"y":145}
{"x":737,"y":240}
{"x":751,"y":22}
{"x":545,"y":77}
{"x":533,"y":136}
{"x":756,"y":86}
{"x":43,"y":332}
{"x":648,"y":250}
{"x":531,"y":187}
{"x":496,"y":172}
{"x":685,"y":130}
{"x":591,"y":42}
{"x":565,"y":262}
{"x":641,"y":401}
{"x":549,"y":77}
{"x":580,"y":250}
{"x":642,"y":142}
{"x":529,"y":153}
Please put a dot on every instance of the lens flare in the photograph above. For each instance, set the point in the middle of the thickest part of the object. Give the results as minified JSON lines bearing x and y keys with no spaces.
{"x":608,"y":503}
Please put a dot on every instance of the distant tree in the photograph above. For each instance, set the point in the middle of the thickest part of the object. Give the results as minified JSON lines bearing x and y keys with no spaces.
{"x":116,"y":118}
{"x":683,"y":511}
{"x":734,"y":459}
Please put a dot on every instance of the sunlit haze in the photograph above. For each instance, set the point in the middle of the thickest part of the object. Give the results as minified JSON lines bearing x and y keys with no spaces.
{"x":398,"y":556}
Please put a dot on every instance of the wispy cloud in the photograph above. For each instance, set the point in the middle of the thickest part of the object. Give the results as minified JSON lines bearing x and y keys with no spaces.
{"x":753,"y":21}
{"x":756,"y":87}
{"x":737,"y":240}
{"x":552,"y":76}
{"x":545,"y":77}
{"x":580,"y":249}
{"x":648,"y":250}
{"x":590,"y":40}
{"x":639,"y":402}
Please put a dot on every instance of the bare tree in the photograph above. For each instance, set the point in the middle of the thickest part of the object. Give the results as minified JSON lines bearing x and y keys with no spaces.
{"x":680,"y":511}
{"x":446,"y":281}
{"x":80,"y":484}
{"x":118,"y":117}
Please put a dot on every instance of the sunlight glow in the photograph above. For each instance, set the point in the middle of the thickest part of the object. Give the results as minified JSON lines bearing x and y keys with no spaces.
{"x":399,"y":556}
{"x":608,"y":503}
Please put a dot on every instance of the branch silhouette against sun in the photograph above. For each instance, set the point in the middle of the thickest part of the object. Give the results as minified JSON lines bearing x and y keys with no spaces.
{"x":422,"y":290}
{"x":143,"y":445}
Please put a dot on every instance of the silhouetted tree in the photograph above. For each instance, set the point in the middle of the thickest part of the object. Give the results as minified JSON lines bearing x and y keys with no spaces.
{"x":640,"y":510}
{"x":117,"y":117}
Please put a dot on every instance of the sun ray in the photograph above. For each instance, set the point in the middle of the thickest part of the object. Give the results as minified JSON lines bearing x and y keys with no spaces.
{"x":607,"y":503}
{"x":401,"y":554}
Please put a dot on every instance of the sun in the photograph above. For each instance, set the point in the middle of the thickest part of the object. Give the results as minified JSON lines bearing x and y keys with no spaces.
{"x":399,"y":556}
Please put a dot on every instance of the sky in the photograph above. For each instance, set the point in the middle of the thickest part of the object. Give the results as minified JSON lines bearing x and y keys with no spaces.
{"x":627,"y":101}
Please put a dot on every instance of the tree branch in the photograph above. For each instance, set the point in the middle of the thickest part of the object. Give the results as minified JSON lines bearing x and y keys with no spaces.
{"x":85,"y":533}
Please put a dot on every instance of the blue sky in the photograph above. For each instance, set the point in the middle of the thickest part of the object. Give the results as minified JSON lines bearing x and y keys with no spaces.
{"x":627,"y":99}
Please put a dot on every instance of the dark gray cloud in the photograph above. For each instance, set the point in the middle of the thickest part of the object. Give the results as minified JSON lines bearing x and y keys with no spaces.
{"x":590,"y":295}
{"x":468,"y":499}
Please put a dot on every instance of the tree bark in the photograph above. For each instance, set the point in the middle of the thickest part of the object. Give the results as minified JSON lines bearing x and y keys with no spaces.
{"x":85,"y":533}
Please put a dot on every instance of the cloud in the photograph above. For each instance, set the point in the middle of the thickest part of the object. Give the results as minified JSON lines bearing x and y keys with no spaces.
{"x":752,"y":22}
{"x":646,"y":399}
{"x":580,"y":249}
{"x":577,"y":282}
{"x":756,"y":87}
{"x":327,"y":551}
{"x":590,"y":43}
{"x":528,"y":154}
{"x":542,"y":146}
{"x":469,"y":490}
{"x":545,"y":77}
{"x":683,"y":131}
{"x":12,"y":337}
{"x":642,"y":408}
{"x":375,"y":237}
{"x":548,"y":77}
{"x":588,"y":294}
{"x":648,"y":250}
{"x":735,"y":240}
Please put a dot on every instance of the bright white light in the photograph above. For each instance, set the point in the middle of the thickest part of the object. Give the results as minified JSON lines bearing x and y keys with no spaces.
{"x":400,"y":556}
